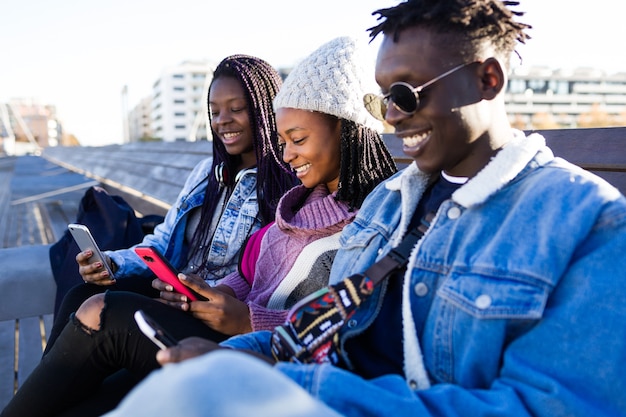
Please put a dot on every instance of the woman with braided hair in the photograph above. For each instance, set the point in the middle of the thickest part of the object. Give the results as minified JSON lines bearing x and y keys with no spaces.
{"x":332,"y":145}
{"x":242,"y":181}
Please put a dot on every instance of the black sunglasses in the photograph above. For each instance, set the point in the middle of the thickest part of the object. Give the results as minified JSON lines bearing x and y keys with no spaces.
{"x":404,"y":97}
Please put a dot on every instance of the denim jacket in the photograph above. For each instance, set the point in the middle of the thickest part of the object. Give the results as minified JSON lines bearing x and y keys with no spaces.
{"x":238,"y":221}
{"x":514,"y":301}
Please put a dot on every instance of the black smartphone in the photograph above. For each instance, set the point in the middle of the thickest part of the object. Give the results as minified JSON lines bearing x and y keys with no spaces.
{"x":154,"y":331}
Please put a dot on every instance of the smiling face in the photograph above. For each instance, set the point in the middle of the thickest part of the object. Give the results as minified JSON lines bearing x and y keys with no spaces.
{"x":311,"y":145}
{"x":453,"y":128}
{"x":230,"y":119}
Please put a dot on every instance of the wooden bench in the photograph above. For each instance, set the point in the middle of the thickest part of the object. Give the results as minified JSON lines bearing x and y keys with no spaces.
{"x":150,"y":175}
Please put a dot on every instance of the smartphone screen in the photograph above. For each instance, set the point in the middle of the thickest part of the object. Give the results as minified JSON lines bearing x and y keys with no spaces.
{"x":154,"y":331}
{"x":85,"y":241}
{"x":163,"y":270}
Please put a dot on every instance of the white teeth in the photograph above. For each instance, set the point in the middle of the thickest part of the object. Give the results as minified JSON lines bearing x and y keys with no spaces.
{"x":302,"y":168}
{"x":230,"y":135}
{"x":413,"y":141}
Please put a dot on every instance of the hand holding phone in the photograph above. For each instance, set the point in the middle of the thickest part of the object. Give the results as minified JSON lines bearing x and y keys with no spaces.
{"x":163,"y":270}
{"x":85,"y":241}
{"x":154,"y":331}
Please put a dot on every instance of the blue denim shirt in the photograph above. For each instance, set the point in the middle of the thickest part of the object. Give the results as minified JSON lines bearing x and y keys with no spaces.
{"x":238,"y":220}
{"x":514,"y":300}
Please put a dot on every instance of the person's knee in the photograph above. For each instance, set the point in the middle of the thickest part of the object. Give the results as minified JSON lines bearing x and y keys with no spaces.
{"x":90,"y":311}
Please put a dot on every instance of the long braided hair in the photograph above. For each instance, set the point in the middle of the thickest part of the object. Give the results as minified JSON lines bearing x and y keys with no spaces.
{"x":260,"y":82}
{"x":474,"y":20}
{"x":365,"y":162}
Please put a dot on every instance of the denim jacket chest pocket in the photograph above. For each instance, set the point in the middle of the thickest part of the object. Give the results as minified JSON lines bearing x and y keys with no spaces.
{"x":472,"y":306}
{"x":487,"y":297}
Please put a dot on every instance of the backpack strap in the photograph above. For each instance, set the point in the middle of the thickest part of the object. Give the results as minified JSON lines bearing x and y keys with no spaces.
{"x":398,"y":257}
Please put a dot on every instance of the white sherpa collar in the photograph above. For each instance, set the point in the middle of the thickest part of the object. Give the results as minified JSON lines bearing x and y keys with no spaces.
{"x":503,"y":168}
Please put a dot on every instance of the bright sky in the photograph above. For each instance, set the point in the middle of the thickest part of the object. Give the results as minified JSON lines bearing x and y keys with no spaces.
{"x":79,"y":54}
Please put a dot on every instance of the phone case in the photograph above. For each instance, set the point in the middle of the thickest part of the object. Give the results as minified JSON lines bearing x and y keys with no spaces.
{"x":153,"y":331}
{"x":163,"y":269}
{"x":85,"y":240}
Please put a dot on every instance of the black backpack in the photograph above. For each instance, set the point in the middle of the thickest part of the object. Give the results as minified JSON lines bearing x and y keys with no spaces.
{"x":113,"y":224}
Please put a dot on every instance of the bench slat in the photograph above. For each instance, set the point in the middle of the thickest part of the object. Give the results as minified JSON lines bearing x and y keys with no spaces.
{"x":7,"y":353}
{"x":30,"y":347}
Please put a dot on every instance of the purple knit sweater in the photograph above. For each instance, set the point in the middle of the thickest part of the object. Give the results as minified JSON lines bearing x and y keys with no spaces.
{"x":319,"y":217}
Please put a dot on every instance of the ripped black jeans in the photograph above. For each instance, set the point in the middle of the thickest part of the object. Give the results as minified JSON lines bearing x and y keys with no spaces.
{"x":81,"y":359}
{"x":79,"y":293}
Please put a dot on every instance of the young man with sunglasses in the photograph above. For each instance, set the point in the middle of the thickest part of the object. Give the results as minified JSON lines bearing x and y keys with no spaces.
{"x":513,"y":303}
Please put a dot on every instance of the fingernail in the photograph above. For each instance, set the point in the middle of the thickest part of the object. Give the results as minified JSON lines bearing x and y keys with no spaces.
{"x":161,"y":355}
{"x":169,"y":288}
{"x":183,"y":298}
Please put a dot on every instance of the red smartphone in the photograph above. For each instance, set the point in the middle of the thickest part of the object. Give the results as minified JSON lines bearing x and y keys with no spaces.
{"x":163,"y":270}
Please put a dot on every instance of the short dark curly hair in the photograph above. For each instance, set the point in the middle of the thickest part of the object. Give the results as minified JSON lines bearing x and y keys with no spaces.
{"x":476,"y":21}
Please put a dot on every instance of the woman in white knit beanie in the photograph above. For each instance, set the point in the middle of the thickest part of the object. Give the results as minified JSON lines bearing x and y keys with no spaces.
{"x":333,"y":146}
{"x":332,"y":81}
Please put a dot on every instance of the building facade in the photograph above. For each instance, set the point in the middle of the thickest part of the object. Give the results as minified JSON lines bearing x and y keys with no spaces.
{"x":541,"y":98}
{"x":140,"y":121}
{"x":27,"y":125}
{"x":178,"y":107}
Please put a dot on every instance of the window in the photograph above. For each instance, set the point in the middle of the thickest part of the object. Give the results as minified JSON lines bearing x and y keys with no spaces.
{"x":517,"y":86}
{"x":538,"y":86}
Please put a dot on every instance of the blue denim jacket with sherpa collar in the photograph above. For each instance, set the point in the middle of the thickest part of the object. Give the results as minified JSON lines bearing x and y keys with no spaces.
{"x":514,"y":300}
{"x":239,"y":219}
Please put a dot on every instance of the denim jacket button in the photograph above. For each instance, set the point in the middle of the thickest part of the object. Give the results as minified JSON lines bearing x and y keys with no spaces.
{"x":352,"y":324}
{"x":420,"y":289}
{"x":483,"y":301}
{"x":380,"y":251}
{"x":413,"y":385}
{"x":454,"y":213}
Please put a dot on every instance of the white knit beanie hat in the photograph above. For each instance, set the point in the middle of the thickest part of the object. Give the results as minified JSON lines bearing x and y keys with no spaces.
{"x":332,"y":80}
